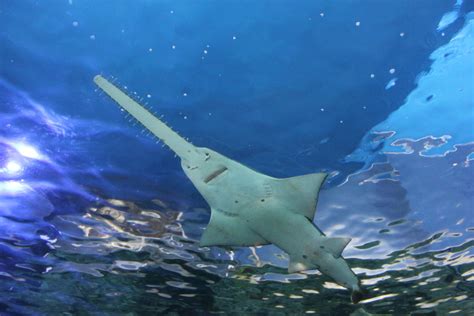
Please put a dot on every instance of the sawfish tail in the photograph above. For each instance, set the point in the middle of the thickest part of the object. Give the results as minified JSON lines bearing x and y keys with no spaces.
{"x":358,"y":295}
{"x":176,"y":143}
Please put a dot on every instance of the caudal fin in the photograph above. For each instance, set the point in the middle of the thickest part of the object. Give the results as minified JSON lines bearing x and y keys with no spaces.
{"x":358,"y":295}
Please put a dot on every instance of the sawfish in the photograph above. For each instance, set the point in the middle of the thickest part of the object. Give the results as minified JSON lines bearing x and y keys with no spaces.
{"x":249,"y":208}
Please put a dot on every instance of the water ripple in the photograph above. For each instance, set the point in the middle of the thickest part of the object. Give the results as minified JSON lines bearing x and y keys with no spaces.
{"x":71,"y":243}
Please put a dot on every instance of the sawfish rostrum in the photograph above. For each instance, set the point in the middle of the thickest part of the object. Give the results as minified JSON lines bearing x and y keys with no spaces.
{"x":249,"y":208}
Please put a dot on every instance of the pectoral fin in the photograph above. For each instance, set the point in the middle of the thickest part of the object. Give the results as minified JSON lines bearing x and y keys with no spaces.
{"x":226,"y":229}
{"x":297,"y":266}
{"x":336,"y":245}
{"x":303,"y":191}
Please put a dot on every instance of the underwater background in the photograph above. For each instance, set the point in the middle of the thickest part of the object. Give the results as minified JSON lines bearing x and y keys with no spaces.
{"x":96,"y":218}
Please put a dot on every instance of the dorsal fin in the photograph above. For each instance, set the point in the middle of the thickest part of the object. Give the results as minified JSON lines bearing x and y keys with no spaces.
{"x":336,"y":245}
{"x":305,"y":191}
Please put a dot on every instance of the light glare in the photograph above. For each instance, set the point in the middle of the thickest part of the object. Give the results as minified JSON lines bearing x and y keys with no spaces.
{"x":27,"y":151}
{"x":11,"y":187}
{"x":13,"y":167}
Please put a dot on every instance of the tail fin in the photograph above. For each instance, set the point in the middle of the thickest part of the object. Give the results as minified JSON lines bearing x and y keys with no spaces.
{"x":358,"y":295}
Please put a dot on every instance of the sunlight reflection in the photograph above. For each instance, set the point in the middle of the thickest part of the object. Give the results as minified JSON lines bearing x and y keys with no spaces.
{"x":27,"y":150}
{"x":12,"y":187}
{"x":13,"y":167}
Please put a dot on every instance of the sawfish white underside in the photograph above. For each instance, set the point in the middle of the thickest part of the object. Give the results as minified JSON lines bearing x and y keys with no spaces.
{"x":249,"y":208}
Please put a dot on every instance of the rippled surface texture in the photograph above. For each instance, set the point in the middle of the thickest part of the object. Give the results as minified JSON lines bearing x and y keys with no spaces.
{"x":95,"y":218}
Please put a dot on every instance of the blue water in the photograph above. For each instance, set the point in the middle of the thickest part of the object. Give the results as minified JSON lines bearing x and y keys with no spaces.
{"x":96,"y":218}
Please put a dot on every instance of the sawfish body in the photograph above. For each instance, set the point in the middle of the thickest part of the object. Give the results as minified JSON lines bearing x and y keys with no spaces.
{"x":249,"y":208}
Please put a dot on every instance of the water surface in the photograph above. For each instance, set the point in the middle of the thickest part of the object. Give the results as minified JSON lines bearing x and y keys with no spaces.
{"x":97,"y":218}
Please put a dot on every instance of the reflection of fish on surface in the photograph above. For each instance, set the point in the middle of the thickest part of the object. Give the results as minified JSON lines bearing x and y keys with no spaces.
{"x":250,"y":208}
{"x":127,"y":217}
